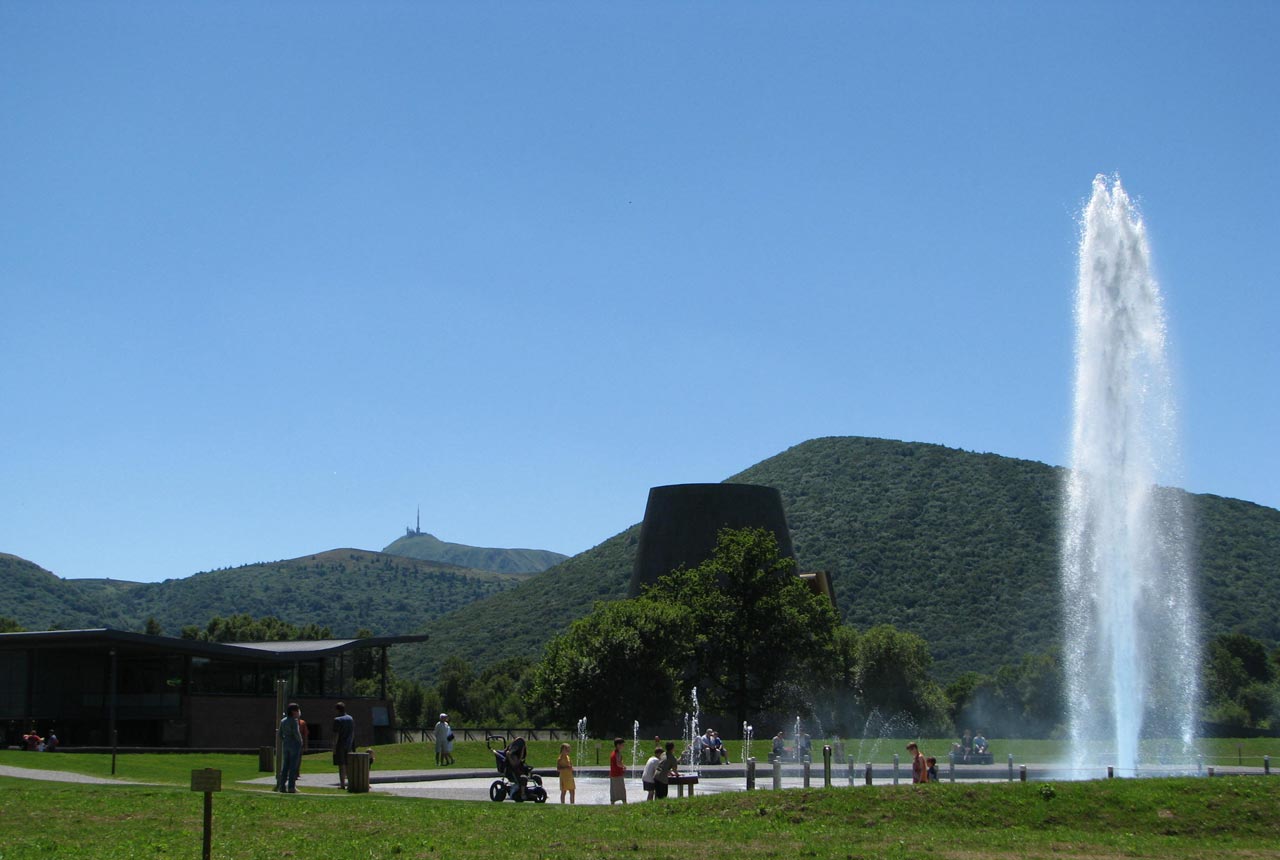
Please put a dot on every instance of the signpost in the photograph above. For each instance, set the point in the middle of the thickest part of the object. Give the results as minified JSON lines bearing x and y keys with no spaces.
{"x":207,"y":780}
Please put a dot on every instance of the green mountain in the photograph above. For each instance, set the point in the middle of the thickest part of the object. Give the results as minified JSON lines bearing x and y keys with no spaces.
{"x":961,"y":548}
{"x":343,"y":589}
{"x":430,"y":548}
{"x":958,"y":547}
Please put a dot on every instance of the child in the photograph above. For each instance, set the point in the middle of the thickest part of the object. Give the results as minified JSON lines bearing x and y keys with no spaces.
{"x":564,"y":766}
{"x":933,"y":768}
{"x":649,"y":778}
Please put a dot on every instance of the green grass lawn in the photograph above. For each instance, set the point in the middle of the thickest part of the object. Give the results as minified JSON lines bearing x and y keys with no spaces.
{"x":1231,"y":817}
{"x":1158,"y":818}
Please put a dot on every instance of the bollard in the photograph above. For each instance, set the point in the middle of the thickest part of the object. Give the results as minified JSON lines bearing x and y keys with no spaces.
{"x":951,"y":757}
{"x":1266,"y":765}
{"x":805,"y":771}
{"x":777,"y":774}
{"x":1022,"y":773}
{"x":868,"y":773}
{"x":826,"y":767}
{"x":895,"y":768}
{"x":1111,"y":772}
{"x":1210,"y":770}
{"x":751,"y":774}
{"x":1010,"y":767}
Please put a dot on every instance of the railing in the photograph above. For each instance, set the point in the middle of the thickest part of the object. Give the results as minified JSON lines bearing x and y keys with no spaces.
{"x":420,"y":734}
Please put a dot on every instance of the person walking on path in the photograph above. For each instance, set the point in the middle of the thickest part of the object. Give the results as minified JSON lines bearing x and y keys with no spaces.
{"x":344,"y":740}
{"x":564,"y":767}
{"x":290,"y":750}
{"x":617,"y":774}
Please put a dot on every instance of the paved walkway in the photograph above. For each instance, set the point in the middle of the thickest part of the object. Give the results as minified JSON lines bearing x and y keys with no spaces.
{"x":61,"y":776}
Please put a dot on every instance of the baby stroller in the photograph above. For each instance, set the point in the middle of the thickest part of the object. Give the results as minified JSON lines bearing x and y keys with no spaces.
{"x":515,"y":773}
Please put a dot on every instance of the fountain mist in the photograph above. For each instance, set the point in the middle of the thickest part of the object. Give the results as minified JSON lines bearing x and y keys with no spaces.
{"x":1131,"y":659}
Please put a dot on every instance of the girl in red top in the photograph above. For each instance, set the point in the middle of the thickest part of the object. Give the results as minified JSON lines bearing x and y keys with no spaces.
{"x":617,"y":774}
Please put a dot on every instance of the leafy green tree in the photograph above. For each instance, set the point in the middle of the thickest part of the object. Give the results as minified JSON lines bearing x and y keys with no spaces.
{"x":1241,"y":682}
{"x":153,"y":627}
{"x":621,"y":663}
{"x":454,"y":687}
{"x":759,"y":633}
{"x":893,"y":677}
{"x":10,"y":625}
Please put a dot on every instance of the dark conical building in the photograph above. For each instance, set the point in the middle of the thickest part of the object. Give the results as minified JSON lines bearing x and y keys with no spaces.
{"x":681,"y":522}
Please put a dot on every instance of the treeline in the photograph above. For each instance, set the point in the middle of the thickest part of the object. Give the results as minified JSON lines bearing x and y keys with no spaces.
{"x":760,"y":647}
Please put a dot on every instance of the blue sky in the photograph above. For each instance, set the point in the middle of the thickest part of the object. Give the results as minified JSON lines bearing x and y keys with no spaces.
{"x":273,"y":275}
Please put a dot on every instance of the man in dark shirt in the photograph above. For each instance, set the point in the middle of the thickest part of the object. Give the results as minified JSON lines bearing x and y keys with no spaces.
{"x":344,"y":740}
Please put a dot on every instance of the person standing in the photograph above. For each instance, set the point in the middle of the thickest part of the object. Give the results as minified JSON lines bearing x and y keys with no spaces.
{"x":444,"y":741}
{"x":344,"y":740}
{"x":564,"y":767}
{"x":617,"y":774}
{"x":919,"y":767}
{"x":290,"y":750}
{"x":648,"y":778}
{"x":667,"y":768}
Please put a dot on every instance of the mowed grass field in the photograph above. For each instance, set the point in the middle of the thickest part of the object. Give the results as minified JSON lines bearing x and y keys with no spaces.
{"x":1232,"y":817}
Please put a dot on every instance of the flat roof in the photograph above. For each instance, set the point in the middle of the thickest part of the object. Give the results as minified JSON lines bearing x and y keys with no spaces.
{"x":271,"y":652}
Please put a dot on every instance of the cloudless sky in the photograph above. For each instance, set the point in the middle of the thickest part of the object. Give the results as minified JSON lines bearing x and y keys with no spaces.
{"x":272,"y":275}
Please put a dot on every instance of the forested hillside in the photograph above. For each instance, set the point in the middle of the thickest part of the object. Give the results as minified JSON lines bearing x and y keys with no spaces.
{"x":957,"y":547}
{"x":960,"y":548}
{"x":430,"y":548}
{"x":344,"y":589}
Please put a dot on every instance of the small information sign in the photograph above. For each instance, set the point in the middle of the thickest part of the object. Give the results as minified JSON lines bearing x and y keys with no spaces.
{"x":207,"y":779}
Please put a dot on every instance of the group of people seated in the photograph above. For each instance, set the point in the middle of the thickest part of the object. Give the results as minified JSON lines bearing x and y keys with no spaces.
{"x":972,"y":746}
{"x":34,"y":743}
{"x":781,"y":752}
{"x":709,"y":749}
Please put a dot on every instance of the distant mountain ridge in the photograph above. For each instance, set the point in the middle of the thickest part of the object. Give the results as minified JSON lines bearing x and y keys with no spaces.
{"x":958,"y":547}
{"x":343,"y":589}
{"x":428,"y":547}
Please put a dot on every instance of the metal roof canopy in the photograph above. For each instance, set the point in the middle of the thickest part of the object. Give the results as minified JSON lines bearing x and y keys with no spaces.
{"x":268,"y":652}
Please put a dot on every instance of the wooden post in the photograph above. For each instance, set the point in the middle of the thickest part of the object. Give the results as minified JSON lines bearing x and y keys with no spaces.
{"x":895,"y":769}
{"x":1210,"y":770}
{"x":1266,"y":765}
{"x":1022,"y":773}
{"x":777,"y":774}
{"x":868,"y":773}
{"x":1010,"y":767}
{"x":806,"y":773}
{"x":207,"y":780}
{"x":951,"y":757}
{"x":751,"y":774}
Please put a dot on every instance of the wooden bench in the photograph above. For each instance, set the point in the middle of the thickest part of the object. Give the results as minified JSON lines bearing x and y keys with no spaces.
{"x":681,"y":781}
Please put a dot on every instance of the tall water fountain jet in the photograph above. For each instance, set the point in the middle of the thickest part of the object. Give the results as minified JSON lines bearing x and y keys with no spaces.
{"x":1131,"y":661}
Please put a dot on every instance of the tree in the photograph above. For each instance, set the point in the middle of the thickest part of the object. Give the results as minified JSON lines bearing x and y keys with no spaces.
{"x":10,"y":625}
{"x":153,"y":627}
{"x":618,"y":664}
{"x":760,"y":635}
{"x":893,"y":677}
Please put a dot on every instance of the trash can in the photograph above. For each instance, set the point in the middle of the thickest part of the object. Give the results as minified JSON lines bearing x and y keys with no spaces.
{"x":358,"y":772}
{"x":266,"y":759}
